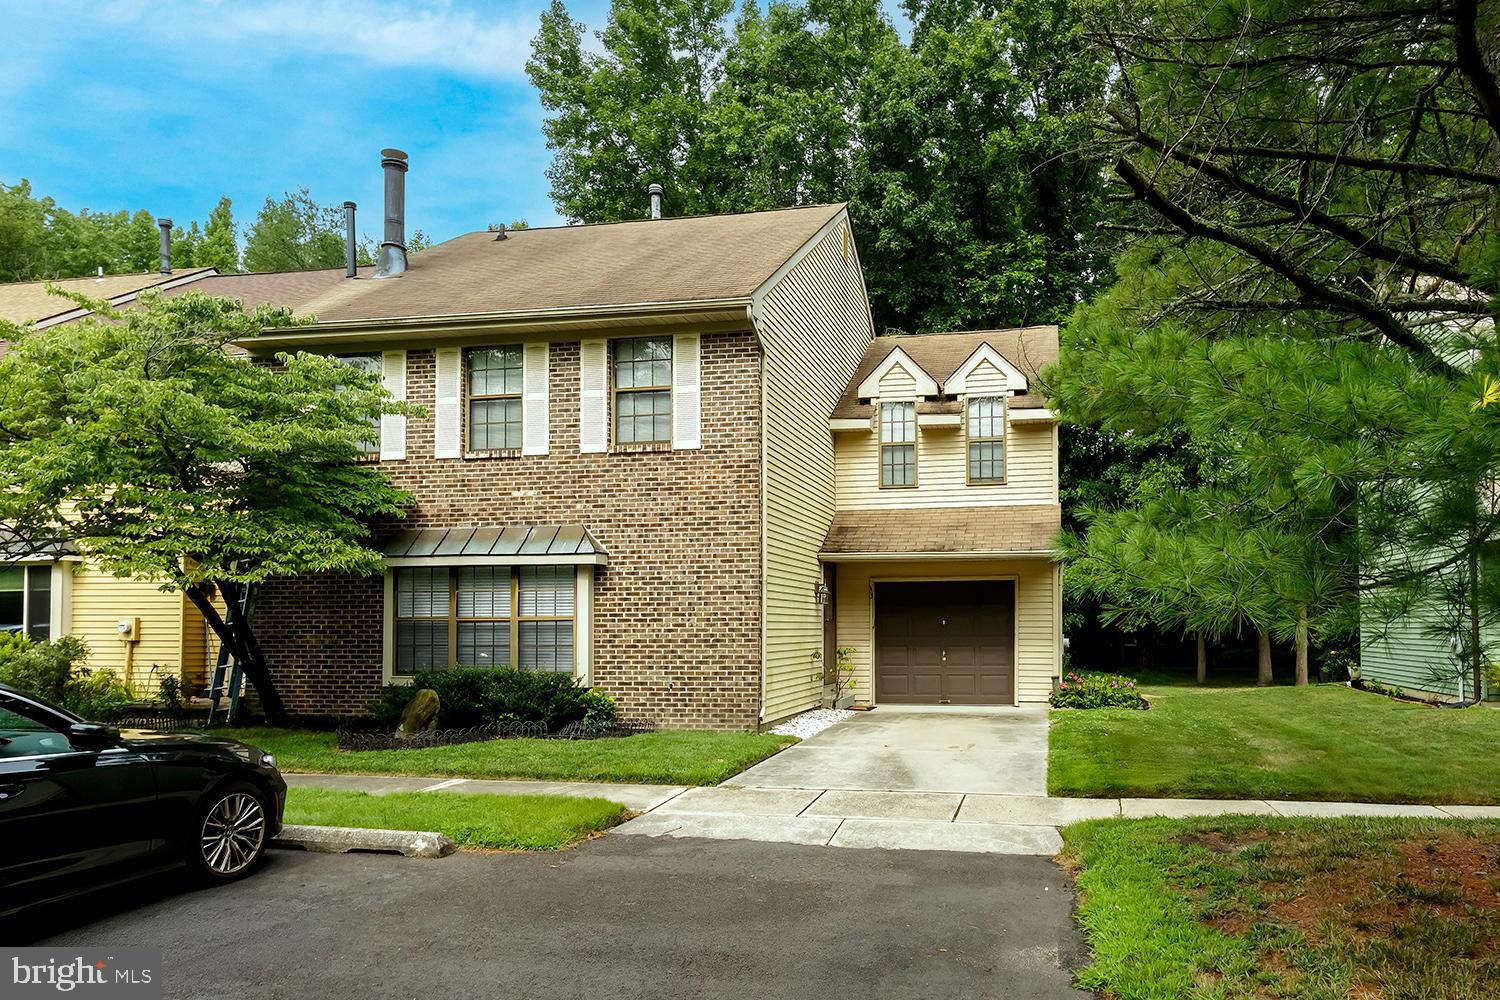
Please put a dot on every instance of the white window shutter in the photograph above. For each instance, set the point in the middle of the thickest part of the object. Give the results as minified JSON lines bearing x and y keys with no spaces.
{"x":686,"y":394}
{"x":448,"y":413}
{"x":593,"y":393}
{"x":393,"y":425}
{"x":534,"y":430}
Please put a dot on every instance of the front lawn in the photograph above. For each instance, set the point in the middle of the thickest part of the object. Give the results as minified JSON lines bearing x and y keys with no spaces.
{"x":1235,"y":908}
{"x":1317,"y":742}
{"x":506,"y":822}
{"x":674,"y":757}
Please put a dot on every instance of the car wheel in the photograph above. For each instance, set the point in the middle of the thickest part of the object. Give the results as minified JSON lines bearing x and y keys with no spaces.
{"x":229,"y":838}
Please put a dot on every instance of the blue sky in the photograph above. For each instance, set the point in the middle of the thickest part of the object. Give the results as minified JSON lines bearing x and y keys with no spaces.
{"x":168,"y":104}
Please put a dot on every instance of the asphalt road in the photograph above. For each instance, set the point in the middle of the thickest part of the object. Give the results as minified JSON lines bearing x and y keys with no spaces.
{"x":618,"y":917}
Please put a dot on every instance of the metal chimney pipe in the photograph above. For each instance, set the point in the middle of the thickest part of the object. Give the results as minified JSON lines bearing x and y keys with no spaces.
{"x":655,"y":191}
{"x":165,"y":225}
{"x":351,"y":262}
{"x":393,"y":248}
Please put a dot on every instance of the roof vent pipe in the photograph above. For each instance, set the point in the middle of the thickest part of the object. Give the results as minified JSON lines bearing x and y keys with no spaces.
{"x":351,"y":263}
{"x":393,"y":247}
{"x":165,"y":225}
{"x":655,"y":191}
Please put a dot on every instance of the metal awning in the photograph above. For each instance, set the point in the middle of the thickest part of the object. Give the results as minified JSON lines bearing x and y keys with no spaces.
{"x":496,"y":545}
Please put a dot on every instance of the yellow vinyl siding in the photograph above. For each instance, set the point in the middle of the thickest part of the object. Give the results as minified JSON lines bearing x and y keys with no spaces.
{"x":942,"y":475}
{"x":815,"y":326}
{"x":986,"y":380}
{"x":1038,"y":615}
{"x":898,"y":383}
{"x":102,"y":601}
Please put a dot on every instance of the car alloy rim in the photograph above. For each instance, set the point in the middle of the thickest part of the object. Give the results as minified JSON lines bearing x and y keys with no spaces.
{"x":233,"y":832}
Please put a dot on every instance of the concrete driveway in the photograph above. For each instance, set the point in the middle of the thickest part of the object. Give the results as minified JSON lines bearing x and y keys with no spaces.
{"x":999,"y":751}
{"x":617,"y":917}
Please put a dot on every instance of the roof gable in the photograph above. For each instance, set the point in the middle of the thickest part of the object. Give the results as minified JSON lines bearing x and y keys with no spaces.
{"x":897,"y":377}
{"x":987,"y":370}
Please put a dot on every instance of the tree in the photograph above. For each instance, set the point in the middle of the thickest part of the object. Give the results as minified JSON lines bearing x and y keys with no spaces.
{"x":295,"y":234}
{"x":135,"y":436}
{"x":961,"y":154}
{"x":40,"y":239}
{"x":220,"y":246}
{"x":1309,"y":294}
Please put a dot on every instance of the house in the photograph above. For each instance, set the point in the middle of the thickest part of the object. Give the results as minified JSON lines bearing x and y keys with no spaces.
{"x":669,"y":457}
{"x":132,"y":628}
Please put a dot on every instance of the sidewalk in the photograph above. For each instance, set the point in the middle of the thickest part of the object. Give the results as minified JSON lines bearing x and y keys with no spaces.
{"x":907,"y":820}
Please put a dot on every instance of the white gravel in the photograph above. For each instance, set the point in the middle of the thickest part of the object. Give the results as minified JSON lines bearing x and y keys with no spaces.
{"x":812,"y":723}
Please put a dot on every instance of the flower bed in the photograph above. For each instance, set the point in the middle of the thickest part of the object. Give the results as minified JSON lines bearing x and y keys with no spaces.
{"x":1096,"y":690}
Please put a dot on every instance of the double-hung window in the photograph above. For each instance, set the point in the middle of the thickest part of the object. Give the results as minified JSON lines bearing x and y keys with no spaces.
{"x":643,"y":390}
{"x":485,"y":616}
{"x":898,"y":444}
{"x":495,"y":378}
{"x":984,"y":427}
{"x":370,"y":364}
{"x":26,"y":600}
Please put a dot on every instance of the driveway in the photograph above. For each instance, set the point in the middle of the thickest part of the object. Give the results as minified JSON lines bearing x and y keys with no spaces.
{"x":938,"y":779}
{"x":616,"y":917}
{"x":1000,"y":751}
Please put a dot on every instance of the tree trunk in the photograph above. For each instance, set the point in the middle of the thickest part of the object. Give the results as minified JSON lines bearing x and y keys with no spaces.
{"x":240,"y":640}
{"x":1202,"y":659}
{"x":1265,"y":679}
{"x":1302,"y":646}
{"x":1476,"y":654}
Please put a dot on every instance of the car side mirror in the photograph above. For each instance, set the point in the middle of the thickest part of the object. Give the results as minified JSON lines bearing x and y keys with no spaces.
{"x":92,"y":735}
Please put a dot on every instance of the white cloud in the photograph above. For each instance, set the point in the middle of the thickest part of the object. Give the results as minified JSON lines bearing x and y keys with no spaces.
{"x":430,"y":34}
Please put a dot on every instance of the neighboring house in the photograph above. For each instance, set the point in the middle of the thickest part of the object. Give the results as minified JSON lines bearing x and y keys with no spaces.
{"x":627,"y":472}
{"x":1420,"y":650}
{"x":131,"y":627}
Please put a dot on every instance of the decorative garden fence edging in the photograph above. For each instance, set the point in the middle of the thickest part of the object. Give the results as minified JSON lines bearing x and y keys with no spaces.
{"x":354,"y":737}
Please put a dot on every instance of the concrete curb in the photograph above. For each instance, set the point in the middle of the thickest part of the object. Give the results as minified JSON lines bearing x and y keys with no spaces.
{"x":342,"y":839}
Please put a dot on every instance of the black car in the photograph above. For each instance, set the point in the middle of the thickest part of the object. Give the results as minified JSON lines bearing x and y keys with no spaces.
{"x":83,"y":806}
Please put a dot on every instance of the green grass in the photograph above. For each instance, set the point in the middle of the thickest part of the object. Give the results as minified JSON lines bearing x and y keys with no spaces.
{"x":506,"y":822}
{"x":1235,"y":908}
{"x":675,"y":757}
{"x":1317,"y":742}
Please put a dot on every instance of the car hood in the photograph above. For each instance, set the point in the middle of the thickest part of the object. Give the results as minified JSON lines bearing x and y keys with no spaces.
{"x":149,"y":740}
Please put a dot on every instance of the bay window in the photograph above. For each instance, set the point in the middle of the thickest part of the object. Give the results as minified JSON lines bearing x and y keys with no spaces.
{"x":484,"y":616}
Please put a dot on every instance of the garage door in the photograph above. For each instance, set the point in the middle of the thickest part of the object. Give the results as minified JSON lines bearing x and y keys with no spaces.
{"x":945,"y":643}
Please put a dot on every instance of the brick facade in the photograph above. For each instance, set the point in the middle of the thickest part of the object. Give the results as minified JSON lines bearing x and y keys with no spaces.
{"x":677,"y":611}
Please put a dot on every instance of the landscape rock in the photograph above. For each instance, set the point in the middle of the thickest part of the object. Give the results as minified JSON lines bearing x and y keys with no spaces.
{"x":420,"y":714}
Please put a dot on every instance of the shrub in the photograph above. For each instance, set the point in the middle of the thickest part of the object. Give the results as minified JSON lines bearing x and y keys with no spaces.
{"x":479,"y":696}
{"x":54,"y":672}
{"x":600,"y":714}
{"x":1093,"y":690}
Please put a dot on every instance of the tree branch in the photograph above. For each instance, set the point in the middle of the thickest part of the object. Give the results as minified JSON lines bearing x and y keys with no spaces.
{"x":1310,"y":286}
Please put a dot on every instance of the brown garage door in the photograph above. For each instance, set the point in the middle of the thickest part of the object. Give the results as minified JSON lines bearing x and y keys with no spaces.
{"x":945,"y":643}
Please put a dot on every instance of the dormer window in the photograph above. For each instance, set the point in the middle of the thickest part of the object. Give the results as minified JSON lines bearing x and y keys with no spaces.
{"x":898,"y":444}
{"x":984,"y":428}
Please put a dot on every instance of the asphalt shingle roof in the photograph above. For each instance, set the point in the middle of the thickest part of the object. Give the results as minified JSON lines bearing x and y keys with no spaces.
{"x":1011,"y":528}
{"x":1029,"y":348}
{"x":567,"y":267}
